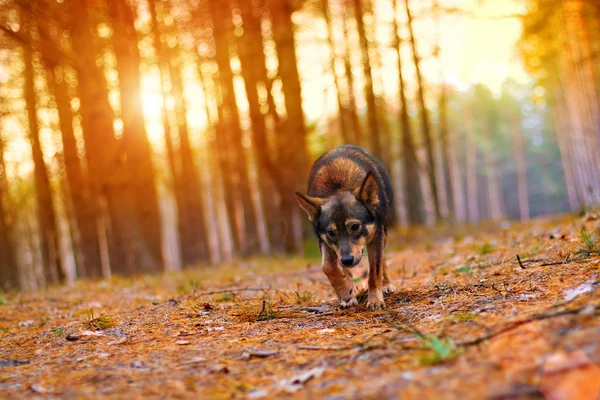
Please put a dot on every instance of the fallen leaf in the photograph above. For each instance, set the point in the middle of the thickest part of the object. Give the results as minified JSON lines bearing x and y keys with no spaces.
{"x":39,"y":388}
{"x":326,"y":330}
{"x":92,"y":333}
{"x":251,"y":352}
{"x":295,"y":383}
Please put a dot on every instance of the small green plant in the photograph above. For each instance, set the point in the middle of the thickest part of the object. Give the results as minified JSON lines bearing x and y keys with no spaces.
{"x":465,"y":269}
{"x":439,"y":349}
{"x":589,"y":240}
{"x":104,"y":321}
{"x":58,"y":331}
{"x":225,"y":297}
{"x":464,"y":316}
{"x":266,"y":313}
{"x":486,"y":248}
{"x":303,"y":297}
{"x":1,"y":299}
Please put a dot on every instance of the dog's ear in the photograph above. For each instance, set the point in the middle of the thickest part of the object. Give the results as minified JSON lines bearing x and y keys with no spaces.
{"x":367,"y":194}
{"x":311,"y":205}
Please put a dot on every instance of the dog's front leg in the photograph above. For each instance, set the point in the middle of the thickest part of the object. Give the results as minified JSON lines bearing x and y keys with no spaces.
{"x":376,"y":266}
{"x":340,"y":278}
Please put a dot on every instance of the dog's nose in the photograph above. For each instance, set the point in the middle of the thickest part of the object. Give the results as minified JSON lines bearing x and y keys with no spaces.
{"x":347,"y":261}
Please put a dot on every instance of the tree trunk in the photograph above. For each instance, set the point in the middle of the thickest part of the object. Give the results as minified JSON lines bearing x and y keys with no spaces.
{"x":294,"y":150}
{"x":128,"y":252}
{"x":194,"y":244}
{"x":135,"y":140}
{"x":354,"y":119}
{"x":424,"y":114}
{"x":345,"y":117}
{"x":413,"y":194}
{"x":372,"y":120}
{"x":471,"y":150}
{"x":190,"y":208}
{"x":558,"y":110}
{"x":494,"y":193}
{"x":251,"y":54}
{"x":49,"y":235}
{"x":85,"y":208}
{"x":446,"y":145}
{"x":521,"y":164}
{"x":229,"y":125}
{"x":9,"y":269}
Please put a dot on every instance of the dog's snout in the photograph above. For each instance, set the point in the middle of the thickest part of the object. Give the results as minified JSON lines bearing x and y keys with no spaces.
{"x":347,"y":261}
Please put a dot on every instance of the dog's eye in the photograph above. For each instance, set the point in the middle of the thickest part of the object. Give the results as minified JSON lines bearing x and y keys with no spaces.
{"x":355,"y":227}
{"x":331,"y":233}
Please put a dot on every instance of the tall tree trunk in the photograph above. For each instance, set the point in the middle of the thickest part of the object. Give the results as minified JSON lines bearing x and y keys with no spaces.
{"x":345,"y":118}
{"x":49,"y":235}
{"x":84,"y":206}
{"x":494,"y":193}
{"x":252,"y":58}
{"x":445,"y":141}
{"x":191,"y":224}
{"x":413,"y":193}
{"x":446,"y":146}
{"x":354,"y":119}
{"x":9,"y":269}
{"x":580,"y":76}
{"x":194,"y":245}
{"x":128,"y":252}
{"x":229,"y":126}
{"x":424,"y":114}
{"x":471,"y":150}
{"x":521,"y":164}
{"x":135,"y":140}
{"x":565,"y":152}
{"x":294,"y":150}
{"x":372,"y":121}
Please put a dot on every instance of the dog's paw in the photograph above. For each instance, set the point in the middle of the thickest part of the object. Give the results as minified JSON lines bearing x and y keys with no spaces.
{"x":389,"y":288}
{"x":349,"y":303}
{"x":375,"y":305}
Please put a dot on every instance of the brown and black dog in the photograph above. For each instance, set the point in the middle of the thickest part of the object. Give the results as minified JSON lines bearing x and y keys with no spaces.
{"x":349,"y":202}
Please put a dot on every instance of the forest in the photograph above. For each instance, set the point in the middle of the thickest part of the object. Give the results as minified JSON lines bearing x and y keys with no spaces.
{"x":151,"y":244}
{"x":144,"y":136}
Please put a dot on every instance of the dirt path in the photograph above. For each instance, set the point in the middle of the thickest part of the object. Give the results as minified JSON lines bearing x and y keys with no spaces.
{"x":469,"y":321}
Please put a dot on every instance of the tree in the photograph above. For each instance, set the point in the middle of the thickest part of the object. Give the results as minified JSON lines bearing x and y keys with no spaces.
{"x":424,"y":114}
{"x":128,"y":251}
{"x":413,"y":195}
{"x":192,"y":229}
{"x":84,"y":206}
{"x":9,"y":277}
{"x":295,"y":170}
{"x":232,"y":153}
{"x":48,"y":230}
{"x":135,"y":141}
{"x":372,"y":120}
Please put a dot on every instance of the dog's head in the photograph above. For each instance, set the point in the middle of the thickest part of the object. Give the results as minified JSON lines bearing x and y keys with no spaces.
{"x":345,"y":221}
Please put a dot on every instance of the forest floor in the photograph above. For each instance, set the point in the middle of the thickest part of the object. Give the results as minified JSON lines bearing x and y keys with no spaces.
{"x":469,"y":321}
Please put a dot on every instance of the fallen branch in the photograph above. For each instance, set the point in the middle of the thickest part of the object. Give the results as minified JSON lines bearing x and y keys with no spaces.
{"x":520,"y":263}
{"x":235,"y":290}
{"x":513,"y":325}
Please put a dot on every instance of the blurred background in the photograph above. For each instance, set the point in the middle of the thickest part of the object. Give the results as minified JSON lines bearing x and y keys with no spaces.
{"x":140,"y":136}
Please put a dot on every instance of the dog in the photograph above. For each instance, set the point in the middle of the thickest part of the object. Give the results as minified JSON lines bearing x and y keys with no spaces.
{"x":349,"y":203}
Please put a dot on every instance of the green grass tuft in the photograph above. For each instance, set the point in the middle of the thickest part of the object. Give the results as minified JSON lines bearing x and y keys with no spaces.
{"x":104,"y":321}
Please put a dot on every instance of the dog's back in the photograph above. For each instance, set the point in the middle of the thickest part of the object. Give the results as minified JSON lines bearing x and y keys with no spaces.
{"x":344,"y":169}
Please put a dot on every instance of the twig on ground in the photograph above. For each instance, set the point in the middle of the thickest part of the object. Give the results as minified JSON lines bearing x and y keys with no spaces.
{"x":246,"y":289}
{"x":516,"y":324}
{"x":520,"y":263}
